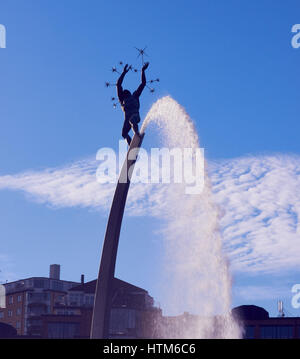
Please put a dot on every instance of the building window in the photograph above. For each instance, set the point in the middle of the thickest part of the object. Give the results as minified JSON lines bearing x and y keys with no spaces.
{"x":89,"y":300}
{"x":60,"y":299}
{"x":249,"y":332}
{"x":75,"y":299}
{"x":1,"y":315}
{"x":19,"y":298}
{"x":35,"y":322}
{"x":38,"y":297}
{"x":9,"y":313}
{"x":10,"y":299}
{"x":122,"y":321}
{"x":276,"y":332}
{"x":38,"y":310}
{"x":63,"y":330}
{"x":39,"y":283}
{"x":18,"y":325}
{"x":56,"y":285}
{"x":19,"y":311}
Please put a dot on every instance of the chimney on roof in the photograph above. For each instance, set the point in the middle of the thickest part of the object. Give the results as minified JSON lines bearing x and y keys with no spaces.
{"x":82,"y":279}
{"x":54,"y":271}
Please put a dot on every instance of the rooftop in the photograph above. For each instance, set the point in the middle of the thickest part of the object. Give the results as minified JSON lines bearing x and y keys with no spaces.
{"x":90,"y":287}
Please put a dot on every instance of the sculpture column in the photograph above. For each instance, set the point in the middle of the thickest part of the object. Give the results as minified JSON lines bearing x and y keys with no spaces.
{"x":103,"y":294}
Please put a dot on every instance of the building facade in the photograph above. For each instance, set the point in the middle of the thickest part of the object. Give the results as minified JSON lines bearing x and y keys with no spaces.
{"x":132,"y":313}
{"x":54,"y":308}
{"x":28,"y":299}
{"x":41,"y":307}
{"x":257,"y":324}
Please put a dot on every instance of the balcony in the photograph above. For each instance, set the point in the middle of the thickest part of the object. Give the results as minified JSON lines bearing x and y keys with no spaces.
{"x":38,"y":298}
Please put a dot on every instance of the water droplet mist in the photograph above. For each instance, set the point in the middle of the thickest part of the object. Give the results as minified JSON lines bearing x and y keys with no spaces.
{"x":196,"y":271}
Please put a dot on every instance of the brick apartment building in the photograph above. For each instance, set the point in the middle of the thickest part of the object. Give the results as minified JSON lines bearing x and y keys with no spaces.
{"x":29,"y":298}
{"x":54,"y":308}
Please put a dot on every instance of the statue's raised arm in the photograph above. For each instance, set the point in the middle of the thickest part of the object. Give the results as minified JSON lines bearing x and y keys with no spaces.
{"x":140,"y":89}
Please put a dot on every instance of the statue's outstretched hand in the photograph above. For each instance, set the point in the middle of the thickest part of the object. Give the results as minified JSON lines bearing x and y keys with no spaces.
{"x":126,"y":68}
{"x":145,"y":66}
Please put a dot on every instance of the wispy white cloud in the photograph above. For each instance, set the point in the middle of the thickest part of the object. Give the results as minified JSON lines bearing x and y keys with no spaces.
{"x":67,"y":186}
{"x":257,"y":293}
{"x":259,"y":199}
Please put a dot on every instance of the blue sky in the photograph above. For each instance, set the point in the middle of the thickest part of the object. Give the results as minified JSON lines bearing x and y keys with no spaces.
{"x":230,"y":64}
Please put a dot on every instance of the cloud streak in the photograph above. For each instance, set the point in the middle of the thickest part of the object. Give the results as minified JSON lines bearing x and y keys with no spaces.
{"x":258,"y":197}
{"x":253,"y":293}
{"x":68,"y":186}
{"x":261,"y":199}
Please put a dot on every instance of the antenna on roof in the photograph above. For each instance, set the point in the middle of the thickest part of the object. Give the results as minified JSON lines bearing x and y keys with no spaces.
{"x":280,"y":309}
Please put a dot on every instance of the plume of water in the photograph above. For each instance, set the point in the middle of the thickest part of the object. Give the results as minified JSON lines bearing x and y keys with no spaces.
{"x":197,"y":273}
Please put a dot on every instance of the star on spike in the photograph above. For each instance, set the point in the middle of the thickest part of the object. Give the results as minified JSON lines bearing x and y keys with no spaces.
{"x":151,"y":81}
{"x":108,"y":84}
{"x":142,"y":53}
{"x":114,"y":69}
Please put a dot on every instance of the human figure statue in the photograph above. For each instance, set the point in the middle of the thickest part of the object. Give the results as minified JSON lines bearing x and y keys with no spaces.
{"x":130,"y":103}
